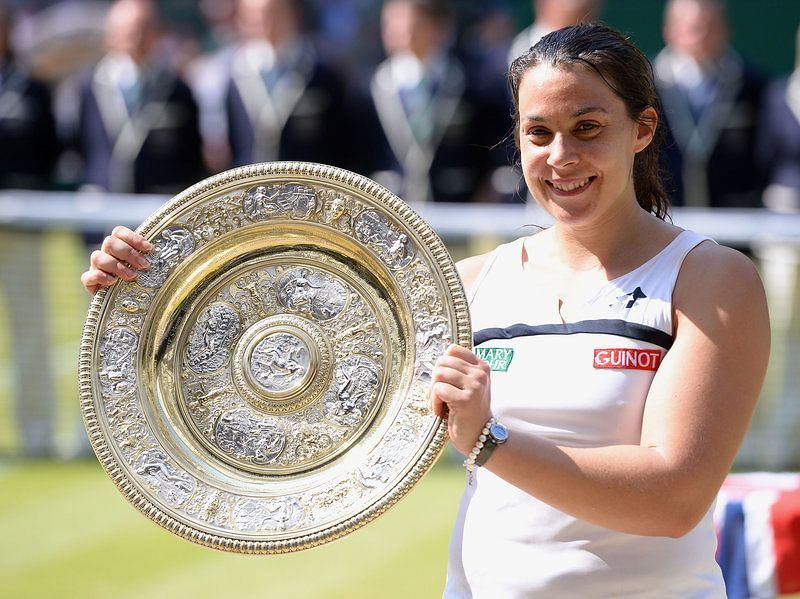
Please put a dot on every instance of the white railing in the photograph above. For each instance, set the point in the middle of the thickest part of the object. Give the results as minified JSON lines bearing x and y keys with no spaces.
{"x":82,"y":211}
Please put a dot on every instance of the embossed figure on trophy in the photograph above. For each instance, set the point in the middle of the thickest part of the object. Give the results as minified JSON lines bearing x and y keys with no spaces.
{"x":312,"y":293}
{"x":129,"y":424}
{"x":424,"y":295}
{"x":117,"y":352}
{"x":218,"y":217}
{"x":214,"y":332}
{"x":310,"y":442}
{"x":252,"y":514}
{"x":259,"y":202}
{"x":173,"y":485}
{"x":173,"y":243}
{"x":213,"y":508}
{"x":253,"y":296}
{"x":358,"y":336}
{"x":432,"y":341}
{"x":398,"y":247}
{"x":381,"y":467}
{"x":244,"y":437}
{"x":285,"y":514}
{"x":266,"y":201}
{"x":279,"y":360}
{"x":337,"y":214}
{"x":299,"y":293}
{"x":356,"y":381}
{"x":201,"y":392}
{"x":170,"y":247}
{"x":392,"y":245}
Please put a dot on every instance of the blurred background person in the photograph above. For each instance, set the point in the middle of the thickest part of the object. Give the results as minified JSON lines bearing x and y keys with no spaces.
{"x":779,"y":140}
{"x":345,"y":32}
{"x":550,"y":15}
{"x":283,"y":101}
{"x":138,"y":126}
{"x":28,"y":151}
{"x":28,"y":142}
{"x":428,"y":134}
{"x":208,"y":74}
{"x":711,"y":100}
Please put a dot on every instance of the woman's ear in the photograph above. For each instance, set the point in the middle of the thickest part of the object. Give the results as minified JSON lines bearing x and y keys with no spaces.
{"x":645,"y":128}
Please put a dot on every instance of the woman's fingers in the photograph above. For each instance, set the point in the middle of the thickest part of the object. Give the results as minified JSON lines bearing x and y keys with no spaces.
{"x":119,"y":249}
{"x":437,"y":406}
{"x":94,"y":279}
{"x":462,"y":353}
{"x":472,"y":382}
{"x":111,"y":265}
{"x":462,"y":365}
{"x":132,"y":238}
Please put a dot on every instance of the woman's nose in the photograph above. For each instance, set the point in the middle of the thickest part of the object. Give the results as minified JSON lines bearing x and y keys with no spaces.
{"x":562,"y":151}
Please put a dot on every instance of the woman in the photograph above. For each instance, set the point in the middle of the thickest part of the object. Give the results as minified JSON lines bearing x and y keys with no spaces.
{"x":611,"y":449}
{"x":594,"y":453}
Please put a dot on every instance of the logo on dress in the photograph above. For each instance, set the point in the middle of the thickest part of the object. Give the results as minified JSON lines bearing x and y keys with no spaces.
{"x":626,"y":358}
{"x":499,"y":358}
{"x":628,"y":300}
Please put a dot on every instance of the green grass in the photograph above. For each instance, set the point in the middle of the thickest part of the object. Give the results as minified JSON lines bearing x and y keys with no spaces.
{"x":68,"y":532}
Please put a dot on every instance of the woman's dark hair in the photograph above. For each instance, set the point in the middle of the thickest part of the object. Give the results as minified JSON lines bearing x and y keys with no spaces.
{"x":626,"y":71}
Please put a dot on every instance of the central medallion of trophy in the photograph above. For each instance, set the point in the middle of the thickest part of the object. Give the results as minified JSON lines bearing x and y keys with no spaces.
{"x":282,"y":363}
{"x":279,"y":363}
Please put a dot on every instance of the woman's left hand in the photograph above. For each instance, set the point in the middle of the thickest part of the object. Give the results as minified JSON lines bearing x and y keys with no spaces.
{"x":460,"y":392}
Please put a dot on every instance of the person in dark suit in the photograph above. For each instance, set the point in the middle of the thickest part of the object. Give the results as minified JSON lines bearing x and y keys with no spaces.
{"x":779,"y":140}
{"x":283,"y":101}
{"x":138,"y":126}
{"x":711,"y":99}
{"x":428,"y":133}
{"x":28,"y":143}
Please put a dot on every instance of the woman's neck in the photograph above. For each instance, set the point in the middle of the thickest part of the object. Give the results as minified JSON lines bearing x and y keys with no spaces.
{"x":611,"y":246}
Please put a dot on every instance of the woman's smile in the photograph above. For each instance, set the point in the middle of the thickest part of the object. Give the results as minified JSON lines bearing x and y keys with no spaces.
{"x":569,"y":187}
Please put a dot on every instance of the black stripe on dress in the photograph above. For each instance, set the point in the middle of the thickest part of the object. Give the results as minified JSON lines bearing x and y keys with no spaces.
{"x":622,"y":328}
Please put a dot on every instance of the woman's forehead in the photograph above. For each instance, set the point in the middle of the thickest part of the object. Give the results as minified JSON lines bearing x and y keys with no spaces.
{"x":570,"y":88}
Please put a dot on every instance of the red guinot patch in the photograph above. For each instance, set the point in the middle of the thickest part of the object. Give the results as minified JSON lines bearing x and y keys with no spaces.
{"x":627,"y":358}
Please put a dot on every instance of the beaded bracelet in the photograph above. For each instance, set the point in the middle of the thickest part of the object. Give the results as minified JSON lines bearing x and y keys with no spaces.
{"x":469,"y":463}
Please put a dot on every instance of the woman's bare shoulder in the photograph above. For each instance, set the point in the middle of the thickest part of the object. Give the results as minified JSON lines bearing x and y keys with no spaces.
{"x":722,"y":284}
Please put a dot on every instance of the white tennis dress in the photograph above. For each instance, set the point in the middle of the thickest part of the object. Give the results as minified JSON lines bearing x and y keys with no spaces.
{"x":580,"y":384}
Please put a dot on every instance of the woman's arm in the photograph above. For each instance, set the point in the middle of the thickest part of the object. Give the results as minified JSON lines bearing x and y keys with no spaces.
{"x":696,"y":414}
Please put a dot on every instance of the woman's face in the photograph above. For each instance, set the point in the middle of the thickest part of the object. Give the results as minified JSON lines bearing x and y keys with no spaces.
{"x":578,"y":144}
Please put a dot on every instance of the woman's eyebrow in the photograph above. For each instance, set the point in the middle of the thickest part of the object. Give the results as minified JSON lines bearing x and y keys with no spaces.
{"x":588,"y":109}
{"x":577,"y":113}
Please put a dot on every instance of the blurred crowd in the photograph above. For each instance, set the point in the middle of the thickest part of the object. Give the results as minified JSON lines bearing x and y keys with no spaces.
{"x":412,"y":93}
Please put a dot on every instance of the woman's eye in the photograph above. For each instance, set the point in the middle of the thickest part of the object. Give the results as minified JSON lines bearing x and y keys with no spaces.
{"x":538,"y":132}
{"x":587,"y":127}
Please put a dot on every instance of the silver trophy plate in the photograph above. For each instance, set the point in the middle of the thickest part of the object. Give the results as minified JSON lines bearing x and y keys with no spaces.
{"x":262,"y":387}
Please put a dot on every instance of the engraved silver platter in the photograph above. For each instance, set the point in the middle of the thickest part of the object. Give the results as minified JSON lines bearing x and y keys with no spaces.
{"x":262,"y":387}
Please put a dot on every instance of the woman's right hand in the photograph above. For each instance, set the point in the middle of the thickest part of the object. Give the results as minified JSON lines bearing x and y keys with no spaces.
{"x":118,"y":257}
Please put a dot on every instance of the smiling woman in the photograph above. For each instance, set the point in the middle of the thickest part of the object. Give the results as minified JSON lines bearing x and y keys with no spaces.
{"x":617,"y":360}
{"x":633,"y":354}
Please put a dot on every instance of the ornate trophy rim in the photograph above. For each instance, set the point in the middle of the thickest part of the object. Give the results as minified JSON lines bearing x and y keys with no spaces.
{"x":273,"y":541}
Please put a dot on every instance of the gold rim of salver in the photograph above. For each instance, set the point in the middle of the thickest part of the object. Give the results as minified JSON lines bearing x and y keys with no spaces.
{"x":145,"y":499}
